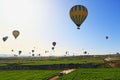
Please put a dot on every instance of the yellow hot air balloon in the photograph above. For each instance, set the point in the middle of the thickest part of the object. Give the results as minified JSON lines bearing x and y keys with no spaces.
{"x":15,"y":33}
{"x":78,"y":14}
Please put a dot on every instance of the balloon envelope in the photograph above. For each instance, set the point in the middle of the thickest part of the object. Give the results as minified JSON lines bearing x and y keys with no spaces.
{"x":15,"y":33}
{"x":33,"y":54}
{"x":5,"y":38}
{"x":54,"y":43}
{"x":33,"y":51}
{"x":85,"y":52}
{"x":12,"y":50}
{"x":52,"y":48}
{"x":106,"y":37}
{"x":20,"y":52}
{"x":78,"y":14}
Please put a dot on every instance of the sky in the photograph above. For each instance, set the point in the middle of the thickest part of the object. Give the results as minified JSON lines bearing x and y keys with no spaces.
{"x":41,"y":22}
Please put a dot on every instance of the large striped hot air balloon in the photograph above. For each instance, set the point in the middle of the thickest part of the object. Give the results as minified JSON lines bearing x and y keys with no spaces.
{"x":78,"y":14}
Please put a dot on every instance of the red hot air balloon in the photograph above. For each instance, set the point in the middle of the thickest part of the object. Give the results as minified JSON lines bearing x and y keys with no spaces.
{"x":54,"y":43}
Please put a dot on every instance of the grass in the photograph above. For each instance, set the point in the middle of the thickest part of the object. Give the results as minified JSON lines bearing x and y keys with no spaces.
{"x":80,"y":74}
{"x":51,"y":61}
{"x":93,"y":74}
{"x":27,"y":74}
{"x":65,"y":61}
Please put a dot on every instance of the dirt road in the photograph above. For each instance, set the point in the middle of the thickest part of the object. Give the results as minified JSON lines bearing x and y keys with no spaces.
{"x":68,"y":71}
{"x":65,"y":72}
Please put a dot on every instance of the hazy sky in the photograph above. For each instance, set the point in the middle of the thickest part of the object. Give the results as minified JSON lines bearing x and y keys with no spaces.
{"x":41,"y":22}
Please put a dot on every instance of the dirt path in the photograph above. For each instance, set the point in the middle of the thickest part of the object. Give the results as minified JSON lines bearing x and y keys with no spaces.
{"x":65,"y":72}
{"x":54,"y":78}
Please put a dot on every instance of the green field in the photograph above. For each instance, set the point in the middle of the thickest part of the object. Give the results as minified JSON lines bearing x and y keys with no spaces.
{"x":64,"y":61}
{"x":27,"y":74}
{"x":50,"y":61}
{"x":79,"y":74}
{"x":93,"y":74}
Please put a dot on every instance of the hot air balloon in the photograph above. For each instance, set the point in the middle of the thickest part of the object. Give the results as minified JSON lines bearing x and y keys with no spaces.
{"x":106,"y":37}
{"x":66,"y":52}
{"x":33,"y":51}
{"x":52,"y":48}
{"x":29,"y":52}
{"x":33,"y":54}
{"x":78,"y":14}
{"x":15,"y":33}
{"x":118,"y":53}
{"x":20,"y":52}
{"x":85,"y":52}
{"x":12,"y":50}
{"x":5,"y":38}
{"x":46,"y":51}
{"x":54,"y":43}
